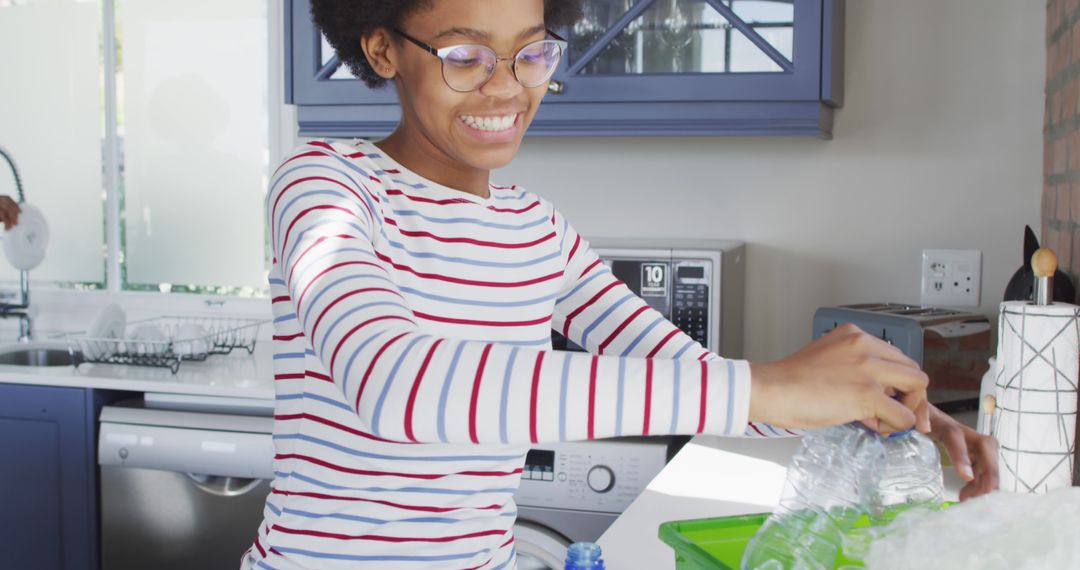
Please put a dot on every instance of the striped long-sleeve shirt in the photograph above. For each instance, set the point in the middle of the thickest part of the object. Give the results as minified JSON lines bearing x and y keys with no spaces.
{"x":413,"y":363}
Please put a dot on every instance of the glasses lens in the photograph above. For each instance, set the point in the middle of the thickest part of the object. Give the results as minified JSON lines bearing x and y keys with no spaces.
{"x":467,"y":67}
{"x":537,"y":61}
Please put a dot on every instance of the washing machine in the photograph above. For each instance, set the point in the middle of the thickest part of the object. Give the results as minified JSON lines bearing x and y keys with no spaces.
{"x":573,"y":491}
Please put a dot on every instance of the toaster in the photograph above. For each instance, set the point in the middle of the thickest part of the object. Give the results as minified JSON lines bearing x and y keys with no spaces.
{"x":953,"y":347}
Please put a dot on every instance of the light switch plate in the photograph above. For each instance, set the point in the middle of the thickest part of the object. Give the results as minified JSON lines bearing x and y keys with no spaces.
{"x":951,"y":277}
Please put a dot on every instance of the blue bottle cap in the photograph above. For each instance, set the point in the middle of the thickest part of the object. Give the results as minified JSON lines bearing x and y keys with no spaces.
{"x":584,"y":556}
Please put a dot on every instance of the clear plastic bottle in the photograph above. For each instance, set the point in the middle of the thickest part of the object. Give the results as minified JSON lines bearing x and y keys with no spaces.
{"x":910,"y":477}
{"x":828,"y":486}
{"x":584,"y":556}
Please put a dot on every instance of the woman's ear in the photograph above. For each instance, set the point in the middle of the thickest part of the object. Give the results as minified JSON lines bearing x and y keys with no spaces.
{"x":379,"y":48}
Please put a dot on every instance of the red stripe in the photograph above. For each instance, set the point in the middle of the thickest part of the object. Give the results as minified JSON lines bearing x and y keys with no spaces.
{"x":436,"y":276}
{"x":383,"y":538}
{"x":573,"y":250}
{"x":535,"y":393}
{"x":378,"y":502}
{"x":411,"y":233}
{"x":476,"y":392}
{"x":415,"y":389}
{"x":704,"y":355}
{"x":333,"y":424}
{"x":355,"y":155}
{"x":648,"y":395}
{"x":280,"y":299}
{"x":515,"y":210}
{"x":371,"y":366}
{"x":662,"y":342}
{"x":300,"y":216}
{"x":326,"y":310}
{"x":592,"y":394}
{"x":287,"y":376}
{"x":426,"y":476}
{"x":273,"y":210}
{"x":589,"y":268}
{"x":620,"y":328}
{"x":577,"y":311}
{"x":436,"y":318}
{"x":755,"y":428}
{"x":333,"y":357}
{"x":302,"y":155}
{"x":288,"y":336}
{"x":792,"y":433}
{"x":704,"y":397}
{"x":259,"y":546}
{"x":318,"y":376}
{"x":396,"y":192}
{"x":322,"y":144}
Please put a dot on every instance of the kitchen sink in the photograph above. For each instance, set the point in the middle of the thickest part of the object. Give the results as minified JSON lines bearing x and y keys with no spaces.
{"x":35,"y":354}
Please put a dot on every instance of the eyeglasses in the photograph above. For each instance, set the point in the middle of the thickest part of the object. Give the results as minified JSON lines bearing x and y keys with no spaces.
{"x":468,"y":67}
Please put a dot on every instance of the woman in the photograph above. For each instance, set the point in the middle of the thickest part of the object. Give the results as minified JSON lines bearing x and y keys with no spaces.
{"x":413,"y":301}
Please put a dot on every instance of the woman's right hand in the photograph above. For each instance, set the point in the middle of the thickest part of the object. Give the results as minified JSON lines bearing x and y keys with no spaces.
{"x":846,"y":375}
{"x":9,"y":212}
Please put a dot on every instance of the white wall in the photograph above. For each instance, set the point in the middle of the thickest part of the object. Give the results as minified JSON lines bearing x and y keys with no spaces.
{"x":939,"y":145}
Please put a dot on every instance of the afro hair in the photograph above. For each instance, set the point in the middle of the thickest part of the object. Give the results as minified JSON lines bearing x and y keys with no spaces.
{"x":344,"y":22}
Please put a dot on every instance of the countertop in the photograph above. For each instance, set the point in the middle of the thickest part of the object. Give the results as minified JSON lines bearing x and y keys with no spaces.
{"x":710,"y":477}
{"x":235,"y":375}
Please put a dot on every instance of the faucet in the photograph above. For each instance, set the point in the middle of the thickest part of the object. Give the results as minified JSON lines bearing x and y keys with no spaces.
{"x":21,"y":310}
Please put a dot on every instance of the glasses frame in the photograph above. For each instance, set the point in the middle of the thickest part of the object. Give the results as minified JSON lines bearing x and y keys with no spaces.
{"x":442,"y":54}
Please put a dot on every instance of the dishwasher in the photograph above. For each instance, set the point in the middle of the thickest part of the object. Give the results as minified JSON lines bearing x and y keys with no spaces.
{"x":183,"y":483}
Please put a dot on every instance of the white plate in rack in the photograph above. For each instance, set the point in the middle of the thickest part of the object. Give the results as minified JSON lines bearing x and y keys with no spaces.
{"x":108,"y":326}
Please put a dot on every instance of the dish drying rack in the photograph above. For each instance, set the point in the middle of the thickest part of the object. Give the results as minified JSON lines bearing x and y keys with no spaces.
{"x":217,"y":335}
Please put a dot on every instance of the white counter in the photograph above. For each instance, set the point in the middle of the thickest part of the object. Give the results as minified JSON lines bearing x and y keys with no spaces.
{"x":710,"y":477}
{"x":236,"y":375}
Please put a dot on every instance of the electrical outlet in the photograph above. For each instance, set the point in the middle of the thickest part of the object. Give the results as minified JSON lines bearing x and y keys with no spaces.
{"x":951,"y":277}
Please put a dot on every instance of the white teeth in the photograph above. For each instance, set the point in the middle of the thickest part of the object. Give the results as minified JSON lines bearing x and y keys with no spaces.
{"x":489,"y":123}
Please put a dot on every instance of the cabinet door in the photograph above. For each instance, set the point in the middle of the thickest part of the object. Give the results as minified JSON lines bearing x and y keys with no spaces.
{"x":634,"y":67}
{"x":47,"y":487}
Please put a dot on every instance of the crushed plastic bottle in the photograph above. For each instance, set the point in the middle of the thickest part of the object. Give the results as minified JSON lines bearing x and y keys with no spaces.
{"x":827,"y":489}
{"x":910,"y":477}
{"x":584,"y":556}
{"x":836,"y":476}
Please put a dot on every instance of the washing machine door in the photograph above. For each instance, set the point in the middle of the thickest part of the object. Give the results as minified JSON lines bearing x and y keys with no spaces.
{"x":539,"y":547}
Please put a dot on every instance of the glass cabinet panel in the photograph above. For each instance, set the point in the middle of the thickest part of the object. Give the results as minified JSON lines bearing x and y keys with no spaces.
{"x":684,"y":36}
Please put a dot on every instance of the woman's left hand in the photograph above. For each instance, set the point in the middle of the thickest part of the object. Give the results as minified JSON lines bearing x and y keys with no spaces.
{"x":974,"y":456}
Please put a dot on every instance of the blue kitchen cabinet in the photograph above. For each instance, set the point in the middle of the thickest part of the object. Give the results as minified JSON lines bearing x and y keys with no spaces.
{"x":634,"y":67}
{"x":48,"y":484}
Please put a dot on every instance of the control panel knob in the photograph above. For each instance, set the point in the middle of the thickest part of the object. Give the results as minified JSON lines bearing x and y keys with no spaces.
{"x":600,"y":478}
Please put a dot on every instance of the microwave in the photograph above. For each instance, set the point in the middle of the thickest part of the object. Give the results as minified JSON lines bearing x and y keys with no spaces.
{"x":698,"y":285}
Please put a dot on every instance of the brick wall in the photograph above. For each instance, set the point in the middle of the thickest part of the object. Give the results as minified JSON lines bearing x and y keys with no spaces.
{"x":1061,"y":142}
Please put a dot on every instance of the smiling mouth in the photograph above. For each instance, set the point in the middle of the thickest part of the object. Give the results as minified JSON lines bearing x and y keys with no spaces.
{"x":492,"y":124}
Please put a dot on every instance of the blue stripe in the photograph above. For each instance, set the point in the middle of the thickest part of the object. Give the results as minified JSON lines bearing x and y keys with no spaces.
{"x":276,"y":281}
{"x":273,"y":509}
{"x":675,"y":397}
{"x":619,"y":397}
{"x":263,"y":564}
{"x":600,"y":319}
{"x":543,"y":342}
{"x":686,"y":346}
{"x":445,"y":394}
{"x":505,"y":401}
{"x":335,"y":253}
{"x":641,"y":336}
{"x":285,"y":355}
{"x":384,"y":558}
{"x":347,"y":373}
{"x":476,"y":302}
{"x":370,"y":520}
{"x":330,"y":330}
{"x":731,"y":397}
{"x":317,"y":397}
{"x":580,"y":285}
{"x":309,"y":351}
{"x":283,"y":318}
{"x":377,"y":415}
{"x":356,"y":185}
{"x":513,"y":556}
{"x":355,"y":452}
{"x":308,"y":229}
{"x":400,"y":182}
{"x":323,"y":290}
{"x":473,"y":221}
{"x":420,"y":490}
{"x":476,"y":262}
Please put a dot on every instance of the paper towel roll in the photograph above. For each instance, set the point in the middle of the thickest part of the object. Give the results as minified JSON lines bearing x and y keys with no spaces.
{"x":1038,"y":360}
